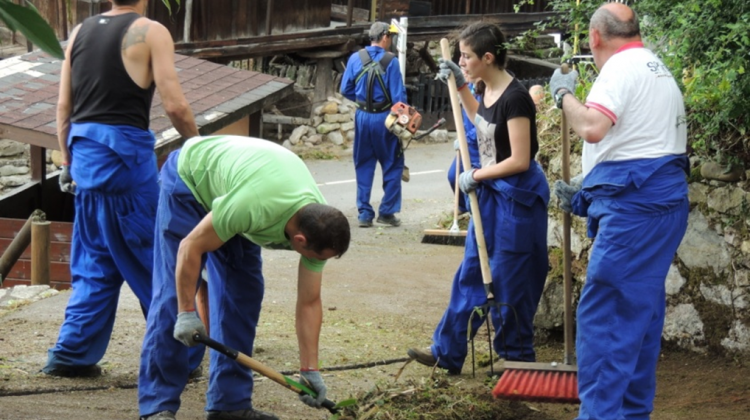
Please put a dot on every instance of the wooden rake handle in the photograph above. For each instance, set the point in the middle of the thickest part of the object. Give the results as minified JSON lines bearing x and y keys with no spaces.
{"x":567,"y":272}
{"x":466,"y":161}
{"x":264,"y":370}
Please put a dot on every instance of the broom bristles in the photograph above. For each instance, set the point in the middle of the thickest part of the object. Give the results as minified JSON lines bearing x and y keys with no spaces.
{"x":444,"y":237}
{"x":537,"y":385}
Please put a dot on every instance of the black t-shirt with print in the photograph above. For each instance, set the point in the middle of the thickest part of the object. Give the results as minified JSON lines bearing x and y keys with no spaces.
{"x":492,"y":123}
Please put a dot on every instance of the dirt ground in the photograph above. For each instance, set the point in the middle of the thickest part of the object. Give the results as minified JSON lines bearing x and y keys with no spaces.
{"x":384,"y":296}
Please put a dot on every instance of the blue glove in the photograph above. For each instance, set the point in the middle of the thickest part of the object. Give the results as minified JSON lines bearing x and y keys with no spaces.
{"x":447,"y":68}
{"x":566,"y":192}
{"x":187,"y":324}
{"x":563,"y":81}
{"x":66,"y":181}
{"x":313,"y":380}
{"x":466,"y":181}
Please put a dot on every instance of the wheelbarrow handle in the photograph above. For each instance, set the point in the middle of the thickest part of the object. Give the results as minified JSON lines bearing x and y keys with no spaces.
{"x":264,"y":370}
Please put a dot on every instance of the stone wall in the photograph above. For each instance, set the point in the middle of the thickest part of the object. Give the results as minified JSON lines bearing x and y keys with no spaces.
{"x":14,"y":165}
{"x":708,"y":284}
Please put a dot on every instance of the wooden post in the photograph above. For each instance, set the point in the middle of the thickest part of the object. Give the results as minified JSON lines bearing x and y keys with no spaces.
{"x":40,"y":244}
{"x":16,"y":247}
{"x":269,"y":28}
{"x":349,"y":13}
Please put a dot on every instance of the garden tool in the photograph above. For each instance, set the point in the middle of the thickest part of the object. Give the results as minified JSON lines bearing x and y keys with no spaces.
{"x":264,"y":370}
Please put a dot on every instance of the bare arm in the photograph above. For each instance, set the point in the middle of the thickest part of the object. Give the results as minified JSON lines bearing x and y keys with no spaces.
{"x":200,"y":240}
{"x":589,"y":123}
{"x":520,"y":152}
{"x":65,"y":100}
{"x":309,"y":316}
{"x":161,"y":46}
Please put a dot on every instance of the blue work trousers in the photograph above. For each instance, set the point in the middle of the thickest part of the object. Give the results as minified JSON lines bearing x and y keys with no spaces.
{"x":112,"y":236}
{"x":374,"y":144}
{"x":235,"y":290}
{"x":514,"y":216}
{"x":622,"y":305}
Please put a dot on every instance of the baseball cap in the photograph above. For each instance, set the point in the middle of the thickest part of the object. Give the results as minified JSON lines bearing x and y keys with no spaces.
{"x":379,"y":28}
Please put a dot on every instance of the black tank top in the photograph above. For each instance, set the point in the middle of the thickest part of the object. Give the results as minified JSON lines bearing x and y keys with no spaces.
{"x":103,"y":92}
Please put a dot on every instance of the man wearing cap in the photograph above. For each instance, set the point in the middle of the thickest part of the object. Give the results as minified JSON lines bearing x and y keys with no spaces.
{"x":373,"y":143}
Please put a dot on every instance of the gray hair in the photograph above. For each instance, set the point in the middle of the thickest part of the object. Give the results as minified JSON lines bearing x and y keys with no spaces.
{"x":611,"y":26}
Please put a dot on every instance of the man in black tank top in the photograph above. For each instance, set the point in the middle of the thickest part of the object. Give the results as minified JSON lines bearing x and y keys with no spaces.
{"x":113,"y":63}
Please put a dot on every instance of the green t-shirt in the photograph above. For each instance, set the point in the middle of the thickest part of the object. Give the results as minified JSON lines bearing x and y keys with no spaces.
{"x":252,"y":186}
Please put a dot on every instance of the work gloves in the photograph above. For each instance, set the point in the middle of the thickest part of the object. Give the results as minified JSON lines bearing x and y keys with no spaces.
{"x":66,"y":181}
{"x":187,"y":324}
{"x":566,"y":192}
{"x":313,"y":380}
{"x":446,"y":68}
{"x":560,"y":81}
{"x":466,"y":181}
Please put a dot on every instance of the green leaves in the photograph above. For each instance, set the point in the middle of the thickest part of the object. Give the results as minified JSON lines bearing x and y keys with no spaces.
{"x":28,"y":21}
{"x":169,"y":5}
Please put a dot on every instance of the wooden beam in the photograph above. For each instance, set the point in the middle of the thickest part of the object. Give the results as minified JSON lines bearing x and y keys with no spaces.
{"x":341,"y":13}
{"x":285,"y":119}
{"x":24,"y":135}
{"x":262,"y":49}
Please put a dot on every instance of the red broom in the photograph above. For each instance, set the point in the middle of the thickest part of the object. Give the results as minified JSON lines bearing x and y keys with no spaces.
{"x":542,"y":381}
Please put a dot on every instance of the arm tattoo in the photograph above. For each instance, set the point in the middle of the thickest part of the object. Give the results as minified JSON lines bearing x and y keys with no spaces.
{"x":135,"y":35}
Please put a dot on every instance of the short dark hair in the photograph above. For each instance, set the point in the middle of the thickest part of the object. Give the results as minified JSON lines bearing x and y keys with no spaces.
{"x":125,"y":2}
{"x":611,"y":26}
{"x":485,"y":37}
{"x":324,"y":227}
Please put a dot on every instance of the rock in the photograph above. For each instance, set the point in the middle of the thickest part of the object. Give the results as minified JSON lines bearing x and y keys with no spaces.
{"x":15,"y":180}
{"x":345,"y":109}
{"x":697,"y":192}
{"x":347,"y":126}
{"x":738,"y":337}
{"x":674,"y":281}
{"x":326,"y":128}
{"x":726,"y":199}
{"x":337,"y":118}
{"x":350,"y":136}
{"x":315,"y":140}
{"x":712,"y":170}
{"x":287,"y":144}
{"x":684,"y":326}
{"x":702,"y":247}
{"x":297,"y":134}
{"x":722,"y":295}
{"x":11,"y":147}
{"x":329,"y":108}
{"x":336,"y":137}
{"x":8,"y":170}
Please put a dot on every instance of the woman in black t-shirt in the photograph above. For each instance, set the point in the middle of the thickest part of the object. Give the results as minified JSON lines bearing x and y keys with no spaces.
{"x":513,"y":194}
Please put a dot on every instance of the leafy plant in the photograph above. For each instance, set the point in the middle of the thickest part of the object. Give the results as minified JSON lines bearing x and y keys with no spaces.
{"x":169,"y":5}
{"x":26,"y":19}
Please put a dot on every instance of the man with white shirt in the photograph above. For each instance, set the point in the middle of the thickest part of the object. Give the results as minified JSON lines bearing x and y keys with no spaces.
{"x":634,"y":194}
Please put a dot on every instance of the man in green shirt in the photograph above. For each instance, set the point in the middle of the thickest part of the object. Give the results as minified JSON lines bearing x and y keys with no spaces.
{"x":222,"y":199}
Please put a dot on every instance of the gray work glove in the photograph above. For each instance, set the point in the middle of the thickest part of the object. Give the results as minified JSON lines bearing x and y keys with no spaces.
{"x":466,"y":181}
{"x":448,"y":67}
{"x":313,"y":380}
{"x":563,"y":81}
{"x":187,"y":324}
{"x":566,"y":192}
{"x":456,"y":145}
{"x":66,"y":181}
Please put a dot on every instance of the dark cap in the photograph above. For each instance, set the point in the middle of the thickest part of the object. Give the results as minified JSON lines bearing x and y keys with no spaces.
{"x":379,"y":28}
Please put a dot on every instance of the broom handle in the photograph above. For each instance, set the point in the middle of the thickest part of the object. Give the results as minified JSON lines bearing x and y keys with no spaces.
{"x":466,"y":161}
{"x":457,"y":189}
{"x":567,"y":274}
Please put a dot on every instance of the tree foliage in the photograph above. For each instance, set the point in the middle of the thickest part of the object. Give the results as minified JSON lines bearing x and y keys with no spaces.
{"x":26,"y":19}
{"x":706,"y":44}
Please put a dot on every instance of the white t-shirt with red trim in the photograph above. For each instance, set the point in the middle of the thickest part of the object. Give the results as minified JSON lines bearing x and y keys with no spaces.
{"x":638,"y":93}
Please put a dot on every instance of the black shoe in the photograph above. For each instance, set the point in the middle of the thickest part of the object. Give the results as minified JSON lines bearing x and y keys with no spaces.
{"x":162,"y":415}
{"x":196,"y":373}
{"x":365,"y":223}
{"x":426,"y":358}
{"x":240,"y":415}
{"x":389,"y":220}
{"x":93,"y":371}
